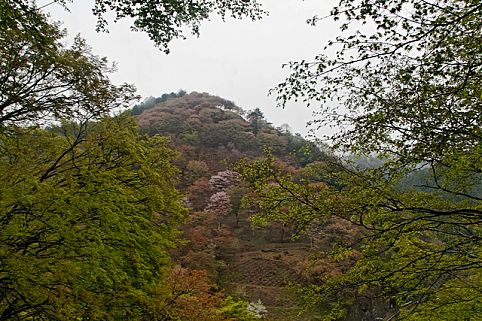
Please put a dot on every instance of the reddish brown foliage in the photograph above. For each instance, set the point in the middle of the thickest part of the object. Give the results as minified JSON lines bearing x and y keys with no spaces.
{"x":198,"y":193}
{"x":191,"y":296}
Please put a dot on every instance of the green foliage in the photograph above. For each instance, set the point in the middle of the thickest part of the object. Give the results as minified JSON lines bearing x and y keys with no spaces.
{"x":420,"y":250}
{"x":410,"y":87}
{"x":87,"y":213}
{"x":279,"y":196}
{"x":237,"y":309}
{"x":88,"y":208}
{"x":165,"y":20}
{"x":41,"y":79}
{"x":256,"y":119}
{"x":236,"y":194}
{"x":406,"y":88}
{"x":305,"y":152}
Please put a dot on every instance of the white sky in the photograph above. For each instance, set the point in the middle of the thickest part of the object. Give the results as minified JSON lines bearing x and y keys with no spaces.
{"x":237,"y":60}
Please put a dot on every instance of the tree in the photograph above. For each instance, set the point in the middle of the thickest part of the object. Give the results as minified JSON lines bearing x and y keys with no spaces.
{"x":42,"y":80}
{"x":236,"y":194}
{"x":222,"y":181}
{"x":418,"y":250}
{"x":256,"y":120}
{"x":151,"y":102}
{"x":190,"y":296}
{"x":195,"y":170}
{"x":219,"y":204}
{"x":199,"y":193}
{"x":241,"y":310}
{"x":88,"y":207}
{"x":409,"y":92}
{"x":410,"y":89}
{"x":165,"y":20}
{"x":87,"y":212}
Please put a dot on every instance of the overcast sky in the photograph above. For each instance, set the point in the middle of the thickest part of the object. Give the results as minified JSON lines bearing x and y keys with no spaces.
{"x":237,"y":60}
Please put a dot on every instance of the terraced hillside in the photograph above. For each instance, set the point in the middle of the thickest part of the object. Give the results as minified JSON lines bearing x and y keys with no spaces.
{"x":266,"y":273}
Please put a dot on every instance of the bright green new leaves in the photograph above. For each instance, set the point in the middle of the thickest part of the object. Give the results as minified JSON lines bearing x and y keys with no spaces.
{"x":405,"y":79}
{"x":420,"y":252}
{"x":41,"y":79}
{"x":88,"y":207}
{"x":404,"y":85}
{"x":87,"y":214}
{"x":237,"y":309}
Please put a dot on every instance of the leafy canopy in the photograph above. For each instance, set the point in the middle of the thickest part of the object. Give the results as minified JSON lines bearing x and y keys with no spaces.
{"x":405,"y":80}
{"x":88,"y":207}
{"x":166,"y":20}
{"x":404,"y":84}
{"x":417,"y":251}
{"x":42,"y":80}
{"x":87,"y":214}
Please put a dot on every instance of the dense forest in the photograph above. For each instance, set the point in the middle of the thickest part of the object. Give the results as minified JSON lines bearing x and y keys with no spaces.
{"x":189,"y":207}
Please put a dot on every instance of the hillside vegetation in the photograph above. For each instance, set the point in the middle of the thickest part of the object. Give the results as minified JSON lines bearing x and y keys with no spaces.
{"x":188,"y":208}
{"x":214,"y":130}
{"x":213,"y":137}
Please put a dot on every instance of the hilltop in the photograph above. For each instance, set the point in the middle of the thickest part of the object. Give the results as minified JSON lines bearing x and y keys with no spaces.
{"x":216,"y":131}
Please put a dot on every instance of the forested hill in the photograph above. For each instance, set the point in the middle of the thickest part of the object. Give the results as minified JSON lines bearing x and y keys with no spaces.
{"x":211,"y":134}
{"x":96,"y":224}
{"x":213,"y":129}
